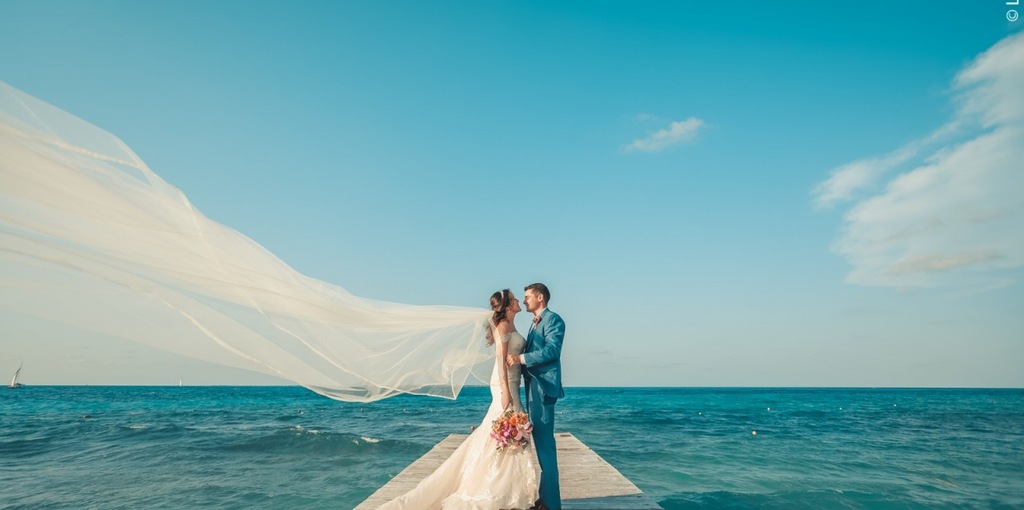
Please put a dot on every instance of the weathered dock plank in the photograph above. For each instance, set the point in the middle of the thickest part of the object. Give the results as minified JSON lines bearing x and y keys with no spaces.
{"x":587,"y":481}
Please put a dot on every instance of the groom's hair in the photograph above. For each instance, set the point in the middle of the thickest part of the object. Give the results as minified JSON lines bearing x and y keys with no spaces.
{"x":541,"y":289}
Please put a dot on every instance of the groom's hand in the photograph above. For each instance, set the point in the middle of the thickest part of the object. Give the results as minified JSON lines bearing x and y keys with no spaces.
{"x":512,"y":360}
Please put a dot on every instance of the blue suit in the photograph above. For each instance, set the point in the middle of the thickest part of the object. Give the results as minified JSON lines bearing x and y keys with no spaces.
{"x":543,"y":380}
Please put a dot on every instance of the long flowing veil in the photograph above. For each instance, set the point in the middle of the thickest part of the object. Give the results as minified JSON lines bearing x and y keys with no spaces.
{"x":90,"y":237}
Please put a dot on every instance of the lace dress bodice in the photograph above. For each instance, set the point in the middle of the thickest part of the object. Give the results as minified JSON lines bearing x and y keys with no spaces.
{"x":515,"y":345}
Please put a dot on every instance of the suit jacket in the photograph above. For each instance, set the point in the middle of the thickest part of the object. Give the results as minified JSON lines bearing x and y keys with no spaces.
{"x":543,"y":354}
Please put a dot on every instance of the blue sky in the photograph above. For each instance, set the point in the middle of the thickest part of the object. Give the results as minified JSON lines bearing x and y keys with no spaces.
{"x":717,"y":194}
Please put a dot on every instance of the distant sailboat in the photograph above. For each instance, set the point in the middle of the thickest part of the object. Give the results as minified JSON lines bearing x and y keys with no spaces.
{"x":14,"y":382}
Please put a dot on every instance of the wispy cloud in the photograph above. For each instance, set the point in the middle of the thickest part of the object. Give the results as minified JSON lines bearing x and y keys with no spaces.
{"x":676,"y":133}
{"x":949,"y":210}
{"x":849,"y":179}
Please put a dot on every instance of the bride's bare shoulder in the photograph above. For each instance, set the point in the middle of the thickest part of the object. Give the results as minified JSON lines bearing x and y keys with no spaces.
{"x":505,"y":327}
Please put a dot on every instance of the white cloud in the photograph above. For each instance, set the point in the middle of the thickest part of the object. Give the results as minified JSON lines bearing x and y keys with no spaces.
{"x":956,"y":214}
{"x":853,"y":177}
{"x":678,"y":132}
{"x":846,"y":180}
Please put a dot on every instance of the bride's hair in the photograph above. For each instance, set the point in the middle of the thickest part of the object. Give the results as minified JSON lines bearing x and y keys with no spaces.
{"x":499,"y":304}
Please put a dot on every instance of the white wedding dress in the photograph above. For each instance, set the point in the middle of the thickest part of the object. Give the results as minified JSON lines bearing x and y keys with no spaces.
{"x":477,"y":476}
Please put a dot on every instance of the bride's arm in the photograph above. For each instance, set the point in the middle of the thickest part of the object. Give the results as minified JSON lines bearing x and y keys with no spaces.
{"x":502,"y":348}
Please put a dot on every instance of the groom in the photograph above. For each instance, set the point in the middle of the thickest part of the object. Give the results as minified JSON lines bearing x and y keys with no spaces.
{"x":543,"y":380}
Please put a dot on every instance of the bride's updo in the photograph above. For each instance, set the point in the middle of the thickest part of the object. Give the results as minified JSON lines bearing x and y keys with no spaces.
{"x":499,"y":305}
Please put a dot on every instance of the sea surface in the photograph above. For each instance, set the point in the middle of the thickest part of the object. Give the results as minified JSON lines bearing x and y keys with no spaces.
{"x":80,"y":447}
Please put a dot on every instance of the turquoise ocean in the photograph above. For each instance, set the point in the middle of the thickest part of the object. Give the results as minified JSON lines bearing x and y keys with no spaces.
{"x":81,"y":447}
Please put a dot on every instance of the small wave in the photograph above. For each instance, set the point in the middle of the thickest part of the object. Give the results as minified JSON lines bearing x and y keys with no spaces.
{"x":25,"y":448}
{"x":153,"y":429}
{"x":834,"y":498}
{"x":300,"y":440}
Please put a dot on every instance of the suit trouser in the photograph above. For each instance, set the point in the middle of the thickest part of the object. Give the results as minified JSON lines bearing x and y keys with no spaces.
{"x":541,"y":409}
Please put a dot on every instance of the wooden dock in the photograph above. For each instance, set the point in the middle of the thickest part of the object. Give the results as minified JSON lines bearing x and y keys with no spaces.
{"x":587,"y":481}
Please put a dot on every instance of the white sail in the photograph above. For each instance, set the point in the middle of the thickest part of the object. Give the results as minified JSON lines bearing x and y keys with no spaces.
{"x":14,"y":381}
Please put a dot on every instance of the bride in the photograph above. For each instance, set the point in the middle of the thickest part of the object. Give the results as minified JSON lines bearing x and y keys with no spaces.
{"x":478,"y":476}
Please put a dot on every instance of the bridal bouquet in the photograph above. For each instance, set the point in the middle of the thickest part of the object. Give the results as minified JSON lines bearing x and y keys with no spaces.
{"x":511,"y":430}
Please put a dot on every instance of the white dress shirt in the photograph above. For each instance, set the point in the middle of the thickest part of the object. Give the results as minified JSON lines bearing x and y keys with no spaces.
{"x":522,"y":357}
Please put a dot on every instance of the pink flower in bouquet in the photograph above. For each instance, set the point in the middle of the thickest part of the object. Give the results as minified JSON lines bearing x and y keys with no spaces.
{"x":511,"y":430}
